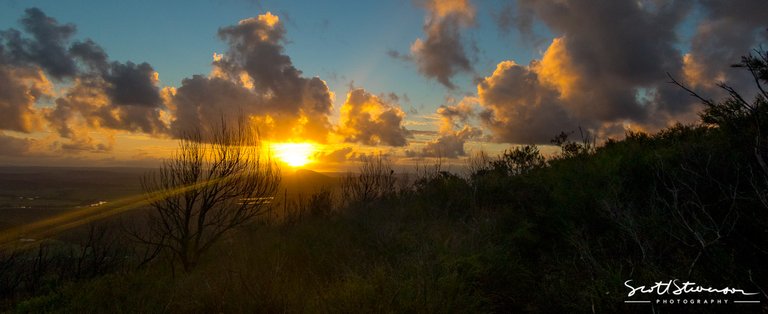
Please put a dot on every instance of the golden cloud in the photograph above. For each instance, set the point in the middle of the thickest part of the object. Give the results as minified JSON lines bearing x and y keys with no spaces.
{"x":367,"y":119}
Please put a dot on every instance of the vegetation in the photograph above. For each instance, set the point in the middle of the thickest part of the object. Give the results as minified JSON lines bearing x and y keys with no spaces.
{"x":214,"y":183}
{"x":519,"y":233}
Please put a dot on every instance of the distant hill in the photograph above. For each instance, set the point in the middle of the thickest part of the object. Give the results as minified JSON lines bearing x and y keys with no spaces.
{"x":306,"y":182}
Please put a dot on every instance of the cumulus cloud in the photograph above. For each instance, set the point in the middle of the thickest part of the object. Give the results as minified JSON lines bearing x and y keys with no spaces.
{"x":606,"y":67}
{"x":441,"y":55}
{"x":450,"y":142}
{"x":91,"y":54}
{"x":88,"y":104}
{"x":133,"y":84}
{"x":24,"y":63}
{"x":20,"y":88}
{"x":448,"y":145}
{"x":338,"y":156}
{"x":96,"y":95}
{"x":367,"y":119}
{"x":257,"y":79}
{"x":118,"y":97}
{"x":519,"y":108}
{"x":451,"y":115}
{"x":47,"y":47}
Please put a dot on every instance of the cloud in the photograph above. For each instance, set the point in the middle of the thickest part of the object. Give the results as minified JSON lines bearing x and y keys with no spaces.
{"x":728,"y":31}
{"x":255,"y":78}
{"x":367,"y":119}
{"x":22,"y":64}
{"x":88,"y":104}
{"x":441,"y":54}
{"x":201,"y":100}
{"x":448,"y":145}
{"x":80,"y":142}
{"x":461,"y":112}
{"x":607,"y":67}
{"x":341,"y":155}
{"x":14,"y":146}
{"x":91,"y":54}
{"x":505,"y":20}
{"x":519,"y":107}
{"x":450,"y":142}
{"x":96,"y":95}
{"x":46,"y":48}
{"x":20,"y":88}
{"x":133,"y":84}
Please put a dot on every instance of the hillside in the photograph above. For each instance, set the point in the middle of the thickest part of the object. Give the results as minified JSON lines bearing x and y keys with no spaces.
{"x":577,"y":232}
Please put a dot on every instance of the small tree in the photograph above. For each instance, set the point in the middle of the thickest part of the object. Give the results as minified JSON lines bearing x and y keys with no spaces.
{"x":212,"y":184}
{"x":520,"y":160}
{"x":572,"y":149}
{"x":376,"y":180}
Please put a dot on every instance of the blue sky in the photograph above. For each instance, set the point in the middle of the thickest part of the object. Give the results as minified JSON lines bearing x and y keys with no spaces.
{"x":340,"y":41}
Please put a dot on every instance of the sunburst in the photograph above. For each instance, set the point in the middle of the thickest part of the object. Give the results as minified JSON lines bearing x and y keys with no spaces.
{"x":294,"y":154}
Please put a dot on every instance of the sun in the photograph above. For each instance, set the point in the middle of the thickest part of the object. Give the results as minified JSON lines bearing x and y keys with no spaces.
{"x":294,"y":154}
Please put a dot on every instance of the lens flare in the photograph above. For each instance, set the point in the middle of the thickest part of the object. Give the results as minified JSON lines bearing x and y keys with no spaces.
{"x":294,"y":154}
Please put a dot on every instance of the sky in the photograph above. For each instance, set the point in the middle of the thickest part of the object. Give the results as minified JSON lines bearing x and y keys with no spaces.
{"x":115,"y":83}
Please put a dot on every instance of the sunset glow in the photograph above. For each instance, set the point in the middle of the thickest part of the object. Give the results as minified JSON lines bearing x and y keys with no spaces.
{"x":294,"y":154}
{"x":389,"y":156}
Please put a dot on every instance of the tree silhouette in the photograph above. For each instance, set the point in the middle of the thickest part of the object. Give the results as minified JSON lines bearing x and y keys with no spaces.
{"x":736,"y":114}
{"x":212,"y":184}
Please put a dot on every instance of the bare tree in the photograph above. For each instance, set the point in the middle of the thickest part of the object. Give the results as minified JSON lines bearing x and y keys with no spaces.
{"x":705,"y":210}
{"x":212,"y":184}
{"x":376,"y":180}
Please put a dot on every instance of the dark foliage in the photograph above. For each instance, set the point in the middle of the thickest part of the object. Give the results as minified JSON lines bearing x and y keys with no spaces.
{"x":517,"y":234}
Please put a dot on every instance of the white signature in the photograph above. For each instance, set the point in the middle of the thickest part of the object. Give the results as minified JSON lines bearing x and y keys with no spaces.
{"x":674,"y":286}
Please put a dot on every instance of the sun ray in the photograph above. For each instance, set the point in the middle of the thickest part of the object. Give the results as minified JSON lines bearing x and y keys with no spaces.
{"x":51,"y":226}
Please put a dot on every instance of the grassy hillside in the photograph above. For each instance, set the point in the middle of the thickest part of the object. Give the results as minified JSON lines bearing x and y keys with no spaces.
{"x":519,"y":234}
{"x":559,"y":237}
